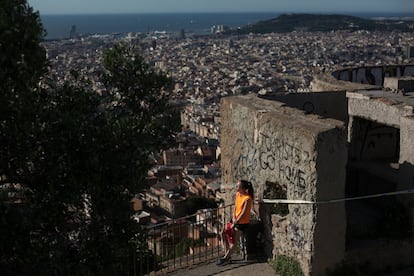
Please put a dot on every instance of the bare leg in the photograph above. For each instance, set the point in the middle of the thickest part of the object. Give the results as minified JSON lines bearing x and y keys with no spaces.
{"x":229,"y":252}
{"x":225,"y":241}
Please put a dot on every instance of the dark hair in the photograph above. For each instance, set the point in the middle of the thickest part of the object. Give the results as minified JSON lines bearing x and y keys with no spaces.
{"x":247,"y":185}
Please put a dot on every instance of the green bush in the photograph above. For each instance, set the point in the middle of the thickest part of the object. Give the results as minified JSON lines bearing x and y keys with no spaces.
{"x":286,"y":266}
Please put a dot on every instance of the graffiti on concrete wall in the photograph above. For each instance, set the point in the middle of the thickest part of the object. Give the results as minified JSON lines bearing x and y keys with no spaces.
{"x":244,"y":158}
{"x":272,"y":153}
{"x":284,"y":158}
{"x":373,"y":75}
{"x":284,"y":161}
{"x":297,"y":239}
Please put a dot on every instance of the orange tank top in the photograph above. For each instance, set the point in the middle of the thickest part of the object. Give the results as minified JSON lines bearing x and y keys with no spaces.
{"x":238,"y":208}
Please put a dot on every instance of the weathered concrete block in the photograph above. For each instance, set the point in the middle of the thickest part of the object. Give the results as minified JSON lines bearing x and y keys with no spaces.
{"x":266,"y":142}
{"x":378,"y":106}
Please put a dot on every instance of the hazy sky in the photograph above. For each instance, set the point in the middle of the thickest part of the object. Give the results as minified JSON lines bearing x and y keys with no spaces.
{"x":151,"y":6}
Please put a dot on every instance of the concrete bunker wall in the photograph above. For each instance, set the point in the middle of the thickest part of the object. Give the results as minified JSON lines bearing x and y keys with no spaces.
{"x":380,"y":135}
{"x":281,"y":148}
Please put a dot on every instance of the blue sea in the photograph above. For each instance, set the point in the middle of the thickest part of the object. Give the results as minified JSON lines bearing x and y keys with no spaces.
{"x":59,"y":26}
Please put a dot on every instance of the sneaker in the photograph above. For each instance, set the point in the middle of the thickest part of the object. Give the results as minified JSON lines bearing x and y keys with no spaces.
{"x":223,"y":261}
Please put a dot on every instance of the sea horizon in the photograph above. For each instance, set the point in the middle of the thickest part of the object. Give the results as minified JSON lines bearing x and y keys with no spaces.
{"x":58,"y":26}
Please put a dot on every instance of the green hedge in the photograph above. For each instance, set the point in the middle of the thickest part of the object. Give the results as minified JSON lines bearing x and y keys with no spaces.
{"x":286,"y":266}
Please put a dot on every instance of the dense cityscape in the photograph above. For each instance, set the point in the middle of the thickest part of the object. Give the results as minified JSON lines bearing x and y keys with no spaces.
{"x":206,"y":68}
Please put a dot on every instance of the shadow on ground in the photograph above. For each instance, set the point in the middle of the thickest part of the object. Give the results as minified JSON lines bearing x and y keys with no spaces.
{"x":238,"y":267}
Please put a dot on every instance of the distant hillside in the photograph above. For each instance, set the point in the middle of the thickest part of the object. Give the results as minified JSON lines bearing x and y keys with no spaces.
{"x":323,"y":23}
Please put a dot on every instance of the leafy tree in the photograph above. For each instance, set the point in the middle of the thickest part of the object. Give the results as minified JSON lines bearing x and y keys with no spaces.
{"x":22,"y":56}
{"x":22,"y":63}
{"x":142,"y":95}
{"x":70,"y":160}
